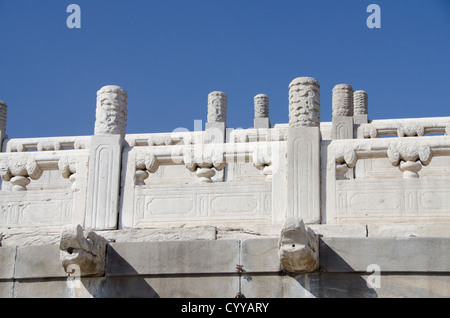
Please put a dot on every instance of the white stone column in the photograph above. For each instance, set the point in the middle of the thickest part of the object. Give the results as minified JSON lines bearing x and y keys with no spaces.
{"x":3,"y":113}
{"x":217,"y":117}
{"x":342,"y":106}
{"x":105,"y":159}
{"x":360,"y":107}
{"x":303,"y":173}
{"x":261,"y":104}
{"x":215,"y":131}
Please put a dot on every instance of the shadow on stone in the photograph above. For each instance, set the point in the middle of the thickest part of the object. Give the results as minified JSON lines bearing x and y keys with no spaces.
{"x":122,"y":280}
{"x":336,"y":278}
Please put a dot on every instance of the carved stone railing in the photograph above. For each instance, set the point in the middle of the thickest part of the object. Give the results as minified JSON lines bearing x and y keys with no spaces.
{"x":319,"y":172}
{"x":191,"y":200}
{"x":46,"y":144}
{"x":412,"y":198}
{"x":409,"y":155}
{"x":409,"y":127}
{"x":47,"y":206}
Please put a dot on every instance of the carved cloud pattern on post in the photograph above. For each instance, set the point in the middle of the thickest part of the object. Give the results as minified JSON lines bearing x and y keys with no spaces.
{"x":111,"y":112}
{"x":304,"y":102}
{"x":261,"y":104}
{"x":342,"y":101}
{"x":360,"y":103}
{"x":217,"y":107}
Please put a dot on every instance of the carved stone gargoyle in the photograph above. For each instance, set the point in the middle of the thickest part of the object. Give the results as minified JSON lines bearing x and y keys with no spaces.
{"x":82,"y":251}
{"x":298,"y":247}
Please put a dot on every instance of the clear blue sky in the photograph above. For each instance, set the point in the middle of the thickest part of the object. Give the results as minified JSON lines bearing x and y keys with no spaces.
{"x":168,"y":55}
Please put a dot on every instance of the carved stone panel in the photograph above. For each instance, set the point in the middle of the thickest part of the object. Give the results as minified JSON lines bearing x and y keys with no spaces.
{"x":394,"y":200}
{"x":200,"y":202}
{"x":103,"y":182}
{"x":36,"y":208}
{"x":304,"y":173}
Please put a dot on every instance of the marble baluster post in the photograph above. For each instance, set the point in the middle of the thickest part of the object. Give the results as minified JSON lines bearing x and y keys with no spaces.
{"x":342,"y":106}
{"x":303,"y":153}
{"x":105,"y":159}
{"x":261,"y":105}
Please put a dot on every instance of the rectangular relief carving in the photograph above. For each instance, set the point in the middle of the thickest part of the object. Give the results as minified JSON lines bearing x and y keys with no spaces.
{"x":217,"y":201}
{"x":381,"y":168}
{"x":438,"y":200}
{"x":245,"y":204}
{"x":167,"y":205}
{"x":43,"y":208}
{"x":303,"y":179}
{"x":395,"y":199}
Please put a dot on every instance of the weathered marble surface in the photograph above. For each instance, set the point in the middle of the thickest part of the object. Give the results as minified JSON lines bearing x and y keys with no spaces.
{"x":201,"y":214}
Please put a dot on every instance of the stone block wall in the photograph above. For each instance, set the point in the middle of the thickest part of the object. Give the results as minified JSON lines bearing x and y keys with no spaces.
{"x":208,"y":269}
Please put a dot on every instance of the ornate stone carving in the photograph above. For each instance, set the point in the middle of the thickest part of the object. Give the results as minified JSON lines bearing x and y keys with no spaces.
{"x":83,"y":250}
{"x":80,"y":144}
{"x":17,"y":147}
{"x":48,"y":145}
{"x":217,"y":107}
{"x":345,"y":158}
{"x":261,"y":102}
{"x":360,"y":103}
{"x":3,"y":113}
{"x":276,"y":135}
{"x":304,"y":102}
{"x":410,"y":130}
{"x":67,"y":166}
{"x":159,"y":141}
{"x":19,"y":170}
{"x":145,"y":162}
{"x":262,"y":160}
{"x":298,"y":247}
{"x":342,"y":102}
{"x":409,"y":157}
{"x":203,"y":160}
{"x":111,"y":113}
{"x":370,"y":132}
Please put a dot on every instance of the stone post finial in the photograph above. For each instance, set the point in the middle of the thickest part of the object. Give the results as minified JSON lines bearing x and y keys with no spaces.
{"x":360,"y":107}
{"x":217,"y":107}
{"x":111,"y":113}
{"x":342,"y":102}
{"x":3,"y":112}
{"x":261,"y":106}
{"x":360,"y":103}
{"x":304,"y":102}
{"x":261,"y":120}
